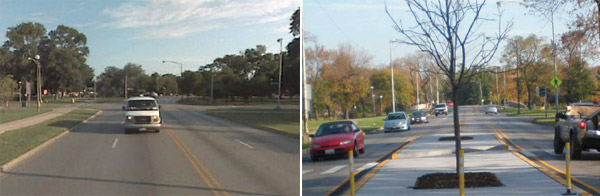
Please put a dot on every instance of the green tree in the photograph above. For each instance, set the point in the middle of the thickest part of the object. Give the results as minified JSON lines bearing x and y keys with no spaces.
{"x":580,"y":82}
{"x":7,"y":88}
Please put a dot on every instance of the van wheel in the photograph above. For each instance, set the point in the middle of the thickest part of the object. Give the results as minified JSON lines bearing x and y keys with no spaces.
{"x":559,"y":145}
{"x":127,"y":131}
{"x":575,"y":148}
{"x":157,"y":131}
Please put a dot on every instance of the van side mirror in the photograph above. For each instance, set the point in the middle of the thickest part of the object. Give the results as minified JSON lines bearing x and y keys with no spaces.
{"x":123,"y":108}
{"x":311,"y":135}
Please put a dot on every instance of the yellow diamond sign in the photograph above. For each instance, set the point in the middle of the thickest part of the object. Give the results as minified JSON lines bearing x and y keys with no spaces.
{"x":555,"y":82}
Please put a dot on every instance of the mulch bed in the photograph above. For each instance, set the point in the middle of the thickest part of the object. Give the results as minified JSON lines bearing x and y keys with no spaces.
{"x":452,"y":138}
{"x":450,"y":180}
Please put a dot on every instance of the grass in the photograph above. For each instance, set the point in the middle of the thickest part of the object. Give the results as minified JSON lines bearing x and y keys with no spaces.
{"x":239,"y":101}
{"x":285,"y":121}
{"x":545,"y":121}
{"x":16,"y":113}
{"x":78,"y":100}
{"x":526,"y":112}
{"x":17,"y":142}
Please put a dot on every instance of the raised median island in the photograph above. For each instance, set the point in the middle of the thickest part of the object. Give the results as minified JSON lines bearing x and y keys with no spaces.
{"x":450,"y":180}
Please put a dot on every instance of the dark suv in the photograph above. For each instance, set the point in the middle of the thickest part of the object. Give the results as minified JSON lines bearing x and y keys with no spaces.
{"x":419,"y":116}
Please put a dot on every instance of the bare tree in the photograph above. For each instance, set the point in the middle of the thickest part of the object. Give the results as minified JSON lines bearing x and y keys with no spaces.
{"x":449,"y":32}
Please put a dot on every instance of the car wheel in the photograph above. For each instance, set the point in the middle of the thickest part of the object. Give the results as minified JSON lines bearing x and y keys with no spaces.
{"x":362,"y":150}
{"x":559,"y":145}
{"x":355,"y":152}
{"x":575,"y":149}
{"x":436,"y":114}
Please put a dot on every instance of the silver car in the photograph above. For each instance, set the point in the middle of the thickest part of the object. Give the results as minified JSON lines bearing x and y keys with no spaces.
{"x":491,"y":109}
{"x":397,"y":121}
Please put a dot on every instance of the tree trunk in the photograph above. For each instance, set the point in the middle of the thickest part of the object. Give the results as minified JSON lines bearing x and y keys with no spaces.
{"x":529,"y":97}
{"x":456,"y":125}
{"x":346,"y":114}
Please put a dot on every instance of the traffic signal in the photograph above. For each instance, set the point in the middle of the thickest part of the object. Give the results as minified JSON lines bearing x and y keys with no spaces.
{"x":541,"y":91}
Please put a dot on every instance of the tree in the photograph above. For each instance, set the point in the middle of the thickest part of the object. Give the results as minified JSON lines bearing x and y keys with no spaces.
{"x":7,"y":88}
{"x":580,"y":81}
{"x":447,"y":31}
{"x":291,"y":71}
{"x":347,"y":84}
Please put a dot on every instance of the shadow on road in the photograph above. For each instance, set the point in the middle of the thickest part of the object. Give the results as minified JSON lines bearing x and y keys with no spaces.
{"x":127,"y":182}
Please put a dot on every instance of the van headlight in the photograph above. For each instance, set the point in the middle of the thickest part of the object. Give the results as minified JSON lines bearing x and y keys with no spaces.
{"x":129,"y":118}
{"x":155,"y":118}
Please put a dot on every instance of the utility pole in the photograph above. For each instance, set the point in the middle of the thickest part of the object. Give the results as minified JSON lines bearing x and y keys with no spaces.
{"x":437,"y":87}
{"x":280,"y":40}
{"x":393,"y":89}
{"x":125,"y":84}
{"x":497,"y":92}
{"x":95,"y":92}
{"x":481,"y":91}
{"x":418,"y":98}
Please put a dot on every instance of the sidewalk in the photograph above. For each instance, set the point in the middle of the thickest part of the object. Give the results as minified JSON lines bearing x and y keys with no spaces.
{"x":482,"y":154}
{"x":17,"y":124}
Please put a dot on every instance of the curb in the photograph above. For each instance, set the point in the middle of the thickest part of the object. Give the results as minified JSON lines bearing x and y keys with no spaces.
{"x":22,"y":157}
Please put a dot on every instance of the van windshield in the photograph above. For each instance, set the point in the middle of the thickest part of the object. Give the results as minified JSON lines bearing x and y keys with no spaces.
{"x":137,"y":105}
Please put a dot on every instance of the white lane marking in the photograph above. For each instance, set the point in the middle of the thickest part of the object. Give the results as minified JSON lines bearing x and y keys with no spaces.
{"x":333,"y":169}
{"x":367,"y":166}
{"x":306,"y":171}
{"x":244,"y":143}
{"x":115,"y":142}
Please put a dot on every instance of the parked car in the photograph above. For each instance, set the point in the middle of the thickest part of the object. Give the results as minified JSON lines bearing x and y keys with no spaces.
{"x":491,"y":109}
{"x":450,"y":104}
{"x":419,"y":116}
{"x":441,"y":108}
{"x":397,"y":121}
{"x":580,"y":126}
{"x":337,"y":138}
{"x":142,"y":114}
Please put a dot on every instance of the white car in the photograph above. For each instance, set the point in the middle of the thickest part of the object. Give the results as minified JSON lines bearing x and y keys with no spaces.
{"x":397,"y":121}
{"x":491,"y":109}
{"x":142,"y":114}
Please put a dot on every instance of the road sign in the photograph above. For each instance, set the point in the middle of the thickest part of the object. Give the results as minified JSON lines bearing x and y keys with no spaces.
{"x":541,"y":91}
{"x":555,"y":82}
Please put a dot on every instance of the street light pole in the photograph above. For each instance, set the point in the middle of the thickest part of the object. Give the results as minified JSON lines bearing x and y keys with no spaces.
{"x":393,"y":89}
{"x":373,"y":98}
{"x":551,"y":18}
{"x":280,"y":40}
{"x":39,"y":80}
{"x":181,"y":72}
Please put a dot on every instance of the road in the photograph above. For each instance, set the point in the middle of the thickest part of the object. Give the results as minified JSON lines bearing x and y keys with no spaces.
{"x":194,"y":154}
{"x":321,"y":176}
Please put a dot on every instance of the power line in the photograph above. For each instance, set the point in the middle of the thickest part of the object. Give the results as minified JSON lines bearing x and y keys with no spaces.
{"x":332,"y":21}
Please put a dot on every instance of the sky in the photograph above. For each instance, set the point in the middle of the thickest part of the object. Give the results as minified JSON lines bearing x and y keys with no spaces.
{"x":365,"y":24}
{"x":146,"y":32}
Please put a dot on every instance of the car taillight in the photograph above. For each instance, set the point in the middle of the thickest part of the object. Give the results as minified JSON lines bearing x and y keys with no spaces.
{"x":582,"y":124}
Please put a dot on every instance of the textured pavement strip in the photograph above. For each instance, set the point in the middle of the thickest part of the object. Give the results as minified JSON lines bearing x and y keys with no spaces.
{"x":519,"y":178}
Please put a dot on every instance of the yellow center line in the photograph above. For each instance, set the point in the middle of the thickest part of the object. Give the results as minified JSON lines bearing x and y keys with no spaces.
{"x":562,"y":181}
{"x":199,"y":168}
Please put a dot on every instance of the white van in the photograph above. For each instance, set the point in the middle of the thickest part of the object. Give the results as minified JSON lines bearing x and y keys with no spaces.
{"x":142,"y":114}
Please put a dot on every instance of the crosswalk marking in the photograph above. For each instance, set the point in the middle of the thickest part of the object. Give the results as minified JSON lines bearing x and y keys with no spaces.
{"x":333,"y":169}
{"x":306,"y":171}
{"x":367,"y":166}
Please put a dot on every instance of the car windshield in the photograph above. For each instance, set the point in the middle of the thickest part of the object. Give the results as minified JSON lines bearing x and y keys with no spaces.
{"x":333,"y":128}
{"x":135,"y":105}
{"x":395,"y":116}
{"x":440,"y":105}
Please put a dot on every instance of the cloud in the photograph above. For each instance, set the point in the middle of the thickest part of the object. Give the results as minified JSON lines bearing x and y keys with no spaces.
{"x":159,"y":17}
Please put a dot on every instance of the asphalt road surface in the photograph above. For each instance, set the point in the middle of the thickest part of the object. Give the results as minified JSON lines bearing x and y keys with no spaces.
{"x":194,"y":154}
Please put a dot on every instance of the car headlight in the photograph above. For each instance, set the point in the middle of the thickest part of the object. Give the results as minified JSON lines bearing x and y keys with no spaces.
{"x":155,"y":118}
{"x":129,"y":118}
{"x":315,"y":146}
{"x":345,"y":142}
{"x":423,"y":117}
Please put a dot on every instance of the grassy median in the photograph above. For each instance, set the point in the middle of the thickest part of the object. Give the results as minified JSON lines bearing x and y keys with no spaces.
{"x":17,"y":142}
{"x":16,"y":113}
{"x":285,"y":121}
{"x":545,"y":121}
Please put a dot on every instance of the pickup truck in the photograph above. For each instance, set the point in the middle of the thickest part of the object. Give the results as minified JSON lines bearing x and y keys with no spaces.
{"x":580,"y":126}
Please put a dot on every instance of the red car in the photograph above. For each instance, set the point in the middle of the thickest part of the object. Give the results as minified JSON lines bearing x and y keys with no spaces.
{"x":450,"y":104}
{"x":336,"y":138}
